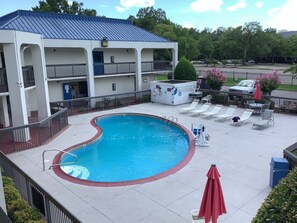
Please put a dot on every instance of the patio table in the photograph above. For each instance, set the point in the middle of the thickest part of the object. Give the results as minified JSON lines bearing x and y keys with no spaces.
{"x":257,"y":107}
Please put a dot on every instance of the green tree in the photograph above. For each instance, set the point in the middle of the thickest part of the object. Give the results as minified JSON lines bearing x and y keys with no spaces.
{"x":277,"y":43}
{"x":64,"y":6}
{"x":206,"y":46}
{"x":248,"y":34}
{"x":292,"y":41}
{"x":229,"y":45}
{"x":148,"y":18}
{"x":292,"y":70}
{"x":185,"y":70}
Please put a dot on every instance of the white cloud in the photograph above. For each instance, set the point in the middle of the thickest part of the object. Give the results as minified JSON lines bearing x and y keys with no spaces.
{"x":206,"y":5}
{"x":137,"y":3}
{"x":274,"y":11}
{"x":284,"y":18}
{"x":259,"y":4}
{"x":239,"y":5}
{"x":187,"y":24}
{"x":120,"y":9}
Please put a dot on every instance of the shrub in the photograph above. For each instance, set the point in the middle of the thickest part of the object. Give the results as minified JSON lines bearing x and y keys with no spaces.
{"x":220,"y":98}
{"x":281,"y":203}
{"x":269,"y":82}
{"x":185,"y":70}
{"x":215,"y":79}
{"x":18,"y":209}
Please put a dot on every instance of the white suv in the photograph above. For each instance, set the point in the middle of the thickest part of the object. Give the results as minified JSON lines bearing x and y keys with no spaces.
{"x":244,"y":86}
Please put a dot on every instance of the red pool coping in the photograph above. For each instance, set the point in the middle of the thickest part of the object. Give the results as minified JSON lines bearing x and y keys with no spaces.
{"x":58,"y":171}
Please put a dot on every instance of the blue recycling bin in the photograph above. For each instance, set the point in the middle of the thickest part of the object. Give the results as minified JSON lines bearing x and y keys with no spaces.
{"x":279,"y":168}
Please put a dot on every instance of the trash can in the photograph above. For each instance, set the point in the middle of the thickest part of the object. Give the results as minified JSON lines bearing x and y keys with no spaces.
{"x":279,"y":168}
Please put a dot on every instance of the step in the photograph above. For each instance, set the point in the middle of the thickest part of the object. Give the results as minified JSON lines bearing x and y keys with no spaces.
{"x":67,"y":169}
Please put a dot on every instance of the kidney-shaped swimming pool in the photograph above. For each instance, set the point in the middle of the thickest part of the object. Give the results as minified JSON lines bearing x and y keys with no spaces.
{"x":133,"y":148}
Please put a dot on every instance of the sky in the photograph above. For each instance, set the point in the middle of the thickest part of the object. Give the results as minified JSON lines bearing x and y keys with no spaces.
{"x":198,"y":14}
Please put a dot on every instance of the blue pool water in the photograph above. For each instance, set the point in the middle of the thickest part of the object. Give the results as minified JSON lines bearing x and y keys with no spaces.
{"x":132,"y":147}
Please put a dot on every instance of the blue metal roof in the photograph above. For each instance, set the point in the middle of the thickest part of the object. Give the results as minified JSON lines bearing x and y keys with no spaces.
{"x":76,"y":27}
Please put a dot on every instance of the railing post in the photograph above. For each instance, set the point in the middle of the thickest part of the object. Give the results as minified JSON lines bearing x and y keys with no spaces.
{"x":72,"y":70}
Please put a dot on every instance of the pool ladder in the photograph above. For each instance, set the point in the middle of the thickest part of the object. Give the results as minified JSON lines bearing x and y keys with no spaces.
{"x":65,"y":152}
{"x":170,"y":119}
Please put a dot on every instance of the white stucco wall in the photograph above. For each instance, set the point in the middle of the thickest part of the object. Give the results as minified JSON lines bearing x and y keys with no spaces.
{"x":64,"y":56}
{"x":77,"y":55}
{"x":56,"y":90}
{"x":125,"y":55}
{"x":146,"y":79}
{"x":103,"y":86}
{"x":31,"y":99}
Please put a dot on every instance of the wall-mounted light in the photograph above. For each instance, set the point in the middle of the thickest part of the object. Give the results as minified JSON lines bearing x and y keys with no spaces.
{"x":104,"y":42}
{"x":114,"y":86}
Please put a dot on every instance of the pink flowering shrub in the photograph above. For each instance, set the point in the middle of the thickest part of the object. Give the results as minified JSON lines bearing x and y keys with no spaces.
{"x":269,"y":82}
{"x":215,"y":79}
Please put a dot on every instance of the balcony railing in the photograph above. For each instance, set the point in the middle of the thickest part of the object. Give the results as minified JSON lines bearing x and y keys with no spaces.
{"x":28,"y":78}
{"x":66,"y":70}
{"x":80,"y":70}
{"x":123,"y":68}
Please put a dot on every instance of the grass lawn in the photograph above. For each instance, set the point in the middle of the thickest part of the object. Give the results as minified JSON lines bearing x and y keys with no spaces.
{"x":161,"y":77}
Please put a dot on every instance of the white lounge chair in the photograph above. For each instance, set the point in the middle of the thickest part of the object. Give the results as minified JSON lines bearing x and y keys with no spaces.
{"x":265,"y":119}
{"x":200,"y":110}
{"x":227,"y":115}
{"x":206,"y":99}
{"x":213,"y":112}
{"x":243,"y":118}
{"x":191,"y":107}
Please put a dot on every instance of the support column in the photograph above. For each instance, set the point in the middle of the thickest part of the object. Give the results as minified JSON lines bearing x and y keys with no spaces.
{"x":16,"y":90}
{"x":138,"y":81}
{"x":174,"y":59}
{"x":4,"y":118}
{"x":41,"y":84}
{"x":90,"y":74}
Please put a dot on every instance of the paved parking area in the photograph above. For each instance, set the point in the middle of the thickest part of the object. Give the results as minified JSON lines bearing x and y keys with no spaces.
{"x":242,"y":156}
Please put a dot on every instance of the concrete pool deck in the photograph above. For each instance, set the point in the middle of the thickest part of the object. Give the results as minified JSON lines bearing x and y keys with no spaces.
{"x":242,"y":156}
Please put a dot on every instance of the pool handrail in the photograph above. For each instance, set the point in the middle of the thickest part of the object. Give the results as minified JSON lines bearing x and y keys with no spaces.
{"x":57,"y":164}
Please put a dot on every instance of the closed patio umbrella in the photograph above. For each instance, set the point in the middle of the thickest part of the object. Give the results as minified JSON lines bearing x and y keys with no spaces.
{"x":212,"y":204}
{"x":257,"y":95}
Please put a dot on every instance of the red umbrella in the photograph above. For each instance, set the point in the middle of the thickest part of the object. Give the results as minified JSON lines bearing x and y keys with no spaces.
{"x":212,"y":204}
{"x":257,"y":95}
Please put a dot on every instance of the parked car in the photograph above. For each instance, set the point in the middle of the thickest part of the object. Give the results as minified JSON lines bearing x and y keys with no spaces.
{"x":243,"y":87}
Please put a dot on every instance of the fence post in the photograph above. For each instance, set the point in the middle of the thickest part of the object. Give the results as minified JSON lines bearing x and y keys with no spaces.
{"x":233,"y":76}
{"x":292,"y":80}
